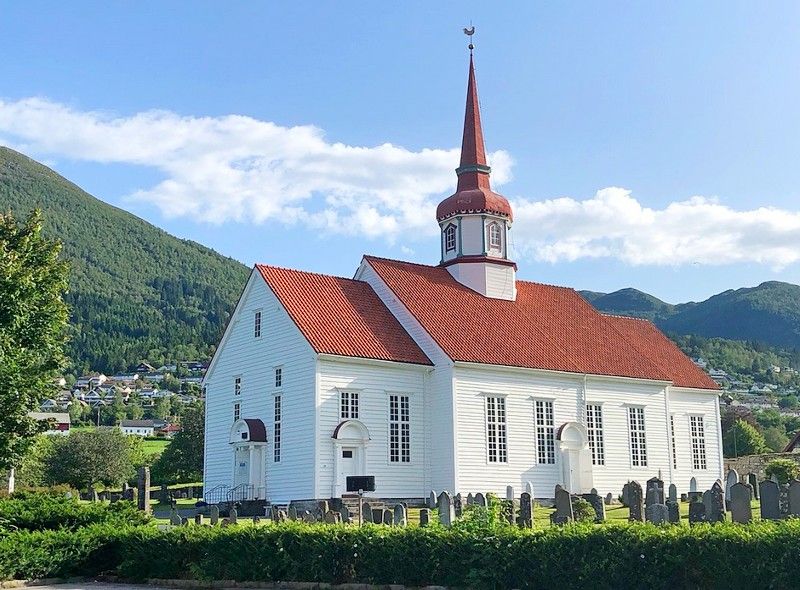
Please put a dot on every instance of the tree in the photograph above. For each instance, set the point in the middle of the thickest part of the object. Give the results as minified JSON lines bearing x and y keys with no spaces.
{"x":86,"y":458}
{"x":743,"y":439}
{"x":784,"y":469}
{"x":789,"y":402}
{"x":182,"y":460}
{"x":776,"y":438}
{"x":162,"y":408}
{"x":33,"y":327}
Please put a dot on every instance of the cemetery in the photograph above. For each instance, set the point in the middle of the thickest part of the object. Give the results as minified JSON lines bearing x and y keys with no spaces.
{"x":647,"y":532}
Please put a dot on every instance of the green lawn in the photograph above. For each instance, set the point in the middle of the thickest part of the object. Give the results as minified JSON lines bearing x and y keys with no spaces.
{"x":155,"y":447}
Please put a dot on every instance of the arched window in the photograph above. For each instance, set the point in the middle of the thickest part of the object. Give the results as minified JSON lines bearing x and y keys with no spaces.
{"x":450,"y":238}
{"x":495,"y":236}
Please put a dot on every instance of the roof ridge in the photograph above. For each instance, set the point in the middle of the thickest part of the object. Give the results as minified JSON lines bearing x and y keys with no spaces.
{"x":624,"y":317}
{"x":261,"y":265}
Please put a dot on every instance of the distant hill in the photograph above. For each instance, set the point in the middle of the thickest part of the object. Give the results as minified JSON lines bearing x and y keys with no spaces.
{"x":768,"y":313}
{"x":136,"y":292}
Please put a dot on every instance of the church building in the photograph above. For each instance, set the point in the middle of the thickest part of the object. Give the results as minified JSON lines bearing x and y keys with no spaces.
{"x":454,"y":376}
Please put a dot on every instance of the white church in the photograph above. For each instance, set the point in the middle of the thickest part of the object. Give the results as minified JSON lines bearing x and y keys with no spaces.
{"x":451,"y":377}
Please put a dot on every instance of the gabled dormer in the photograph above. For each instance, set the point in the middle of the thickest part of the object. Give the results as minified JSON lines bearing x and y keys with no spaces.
{"x":475,"y":221}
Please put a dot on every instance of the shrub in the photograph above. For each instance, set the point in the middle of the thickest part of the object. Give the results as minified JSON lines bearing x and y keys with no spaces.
{"x":37,"y":512}
{"x":582,"y":511}
{"x":784,"y":469}
{"x":573,"y":556}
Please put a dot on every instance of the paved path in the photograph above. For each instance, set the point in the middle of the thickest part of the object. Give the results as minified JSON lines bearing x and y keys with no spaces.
{"x":97,"y":586}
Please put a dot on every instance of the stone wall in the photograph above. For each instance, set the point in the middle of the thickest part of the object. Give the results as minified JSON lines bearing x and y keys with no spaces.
{"x":757,"y":463}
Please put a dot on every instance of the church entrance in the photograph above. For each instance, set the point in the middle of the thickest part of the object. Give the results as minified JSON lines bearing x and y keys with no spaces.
{"x":350,"y":440}
{"x":576,"y":458}
{"x":248,"y":439}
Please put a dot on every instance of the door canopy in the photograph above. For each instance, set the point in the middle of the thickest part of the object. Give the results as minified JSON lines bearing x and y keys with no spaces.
{"x":248,"y":430}
{"x":572,"y":436}
{"x":351,"y":431}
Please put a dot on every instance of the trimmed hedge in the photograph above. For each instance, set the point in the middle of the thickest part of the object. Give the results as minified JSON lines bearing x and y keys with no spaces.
{"x":39,"y":512}
{"x":763,"y":554}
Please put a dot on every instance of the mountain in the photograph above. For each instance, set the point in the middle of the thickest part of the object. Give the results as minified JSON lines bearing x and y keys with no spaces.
{"x":136,"y":292}
{"x":768,"y":313}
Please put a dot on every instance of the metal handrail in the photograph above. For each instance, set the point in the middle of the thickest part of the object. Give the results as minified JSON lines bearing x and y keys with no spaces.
{"x":244,"y":491}
{"x":216,"y":494}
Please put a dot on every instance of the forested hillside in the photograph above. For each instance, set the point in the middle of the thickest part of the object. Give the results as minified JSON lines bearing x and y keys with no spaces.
{"x":136,"y":292}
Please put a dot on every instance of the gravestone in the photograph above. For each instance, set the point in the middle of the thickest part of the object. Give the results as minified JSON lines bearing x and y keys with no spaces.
{"x":693,"y":485}
{"x":184,"y":521}
{"x":198,"y":519}
{"x":657,"y":513}
{"x":480,"y":500}
{"x":509,"y":492}
{"x":794,"y":498}
{"x":164,"y":496}
{"x":714,"y":500}
{"x":388,"y":517}
{"x":174,"y":518}
{"x":731,"y":479}
{"x":654,"y":491}
{"x":309,"y":516}
{"x":233,"y":516}
{"x":292,"y":512}
{"x":332,"y":517}
{"x":740,"y":504}
{"x":626,"y":494}
{"x":597,"y":504}
{"x":366,"y":512}
{"x":563,"y":513}
{"x":424,"y":516}
{"x":214,"y":514}
{"x":144,"y":489}
{"x":529,"y":489}
{"x":432,"y":500}
{"x":457,"y":505}
{"x":525,"y":510}
{"x":752,"y":479}
{"x":635,"y":502}
{"x":256,"y":519}
{"x":400,"y":515}
{"x":609,"y":499}
{"x":470,"y":499}
{"x":674,"y":512}
{"x":322,"y":507}
{"x":377,"y":516}
{"x":344,"y":514}
{"x":684,"y":497}
{"x":225,"y":523}
{"x":673,"y":493}
{"x":697,"y":512}
{"x":446,"y":514}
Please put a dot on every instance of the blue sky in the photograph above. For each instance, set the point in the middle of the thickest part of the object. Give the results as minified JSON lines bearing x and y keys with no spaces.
{"x":642,"y":145}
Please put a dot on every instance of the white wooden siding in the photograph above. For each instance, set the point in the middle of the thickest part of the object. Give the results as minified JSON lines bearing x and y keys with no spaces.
{"x":682,"y":404}
{"x":374,"y":382}
{"x":440,"y":468}
{"x":254,"y":359}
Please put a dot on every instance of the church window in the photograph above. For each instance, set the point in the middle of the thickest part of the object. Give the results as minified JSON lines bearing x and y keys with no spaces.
{"x":348,"y":405}
{"x":399,"y":429}
{"x":672,"y":438}
{"x":495,"y":236}
{"x":257,"y":324}
{"x":237,"y":386}
{"x":237,"y":411}
{"x":276,"y":431}
{"x":697,"y":431}
{"x":496,"y":437}
{"x":594,"y":431}
{"x":450,"y":238}
{"x":637,"y":437}
{"x":278,"y":376}
{"x":545,"y":432}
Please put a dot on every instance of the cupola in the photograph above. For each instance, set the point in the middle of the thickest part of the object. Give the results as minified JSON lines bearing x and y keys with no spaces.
{"x":475,"y":221}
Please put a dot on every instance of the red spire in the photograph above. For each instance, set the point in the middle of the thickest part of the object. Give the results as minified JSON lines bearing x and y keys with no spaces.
{"x":473,"y":194}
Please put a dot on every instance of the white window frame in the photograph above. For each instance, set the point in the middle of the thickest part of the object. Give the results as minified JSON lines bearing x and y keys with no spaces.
{"x":278,"y":377}
{"x":496,"y":421}
{"x":495,"y":232}
{"x":277,"y":422}
{"x":237,"y":411}
{"x":697,"y":438}
{"x":450,"y":239}
{"x":672,"y":441}
{"x":544,"y":425}
{"x":399,"y":428}
{"x":257,"y":323}
{"x":348,"y":404}
{"x":237,"y":386}
{"x":594,"y":432}
{"x":637,"y":436}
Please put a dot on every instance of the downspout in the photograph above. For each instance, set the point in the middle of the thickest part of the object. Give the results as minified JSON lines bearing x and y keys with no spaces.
{"x":670,"y":434}
{"x":719,"y":438}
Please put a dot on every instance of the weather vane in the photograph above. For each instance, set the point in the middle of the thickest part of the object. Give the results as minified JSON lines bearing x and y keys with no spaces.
{"x":469,"y":32}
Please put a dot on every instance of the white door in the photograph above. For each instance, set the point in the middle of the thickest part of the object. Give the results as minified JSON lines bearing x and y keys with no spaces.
{"x":241,"y":467}
{"x":348,"y":457}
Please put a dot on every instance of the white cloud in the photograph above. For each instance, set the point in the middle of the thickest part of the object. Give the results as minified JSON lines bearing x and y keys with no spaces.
{"x":236,"y":168}
{"x":614,"y":224}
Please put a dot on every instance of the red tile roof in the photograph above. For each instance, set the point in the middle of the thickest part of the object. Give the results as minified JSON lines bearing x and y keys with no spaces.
{"x":652,"y":343}
{"x":341,"y":316}
{"x":547,"y":327}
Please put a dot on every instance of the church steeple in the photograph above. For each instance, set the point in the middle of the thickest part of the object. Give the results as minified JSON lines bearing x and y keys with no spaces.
{"x":475,"y":221}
